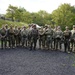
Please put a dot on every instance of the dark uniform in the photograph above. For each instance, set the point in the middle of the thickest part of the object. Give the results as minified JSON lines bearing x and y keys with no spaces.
{"x":3,"y":34}
{"x":66,"y":35}
{"x":34,"y":37}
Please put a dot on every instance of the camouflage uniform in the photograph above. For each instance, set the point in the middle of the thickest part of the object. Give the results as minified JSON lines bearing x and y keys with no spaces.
{"x":16,"y":32}
{"x":58,"y":36}
{"x":66,"y":35}
{"x":24,"y":36}
{"x":34,"y":37}
{"x":55,"y":29}
{"x":41,"y":38}
{"x":11,"y":37}
{"x":7,"y":36}
{"x":29,"y":35}
{"x":19,"y":36}
{"x":44,"y":37}
{"x":73,"y":39}
{"x":3,"y":34}
{"x":49,"y":37}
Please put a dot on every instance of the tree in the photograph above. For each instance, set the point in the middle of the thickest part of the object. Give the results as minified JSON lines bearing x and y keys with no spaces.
{"x":64,"y":15}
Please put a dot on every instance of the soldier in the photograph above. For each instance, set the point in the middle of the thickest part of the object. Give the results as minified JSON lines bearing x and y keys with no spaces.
{"x":55,"y":29}
{"x":58,"y":36}
{"x":19,"y":36}
{"x":11,"y":37}
{"x":49,"y":37}
{"x":7,"y":36}
{"x":3,"y":34}
{"x":73,"y":39}
{"x":34,"y":37}
{"x":16,"y":32}
{"x":29,"y":35}
{"x":44,"y":36}
{"x":24,"y":36}
{"x":66,"y":35}
{"x":41,"y":37}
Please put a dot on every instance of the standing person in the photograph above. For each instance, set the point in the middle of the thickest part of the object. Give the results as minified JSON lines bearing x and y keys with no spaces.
{"x":11,"y":37}
{"x":34,"y":37}
{"x":67,"y":35}
{"x":58,"y":36}
{"x":3,"y":34}
{"x":24,"y":36}
{"x":73,"y":39}
{"x":44,"y":36}
{"x":7,"y":36}
{"x":29,"y":35}
{"x":41,"y":37}
{"x":19,"y":36}
{"x":49,"y":37}
{"x":16,"y":32}
{"x":55,"y":29}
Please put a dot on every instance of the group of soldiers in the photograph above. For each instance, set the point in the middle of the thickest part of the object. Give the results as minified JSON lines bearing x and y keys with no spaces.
{"x":48,"y":38}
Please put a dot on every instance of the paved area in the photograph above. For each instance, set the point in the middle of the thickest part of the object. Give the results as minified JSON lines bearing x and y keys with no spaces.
{"x":21,"y":61}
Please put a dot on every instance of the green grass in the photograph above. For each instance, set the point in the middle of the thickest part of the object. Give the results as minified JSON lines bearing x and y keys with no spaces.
{"x":3,"y":22}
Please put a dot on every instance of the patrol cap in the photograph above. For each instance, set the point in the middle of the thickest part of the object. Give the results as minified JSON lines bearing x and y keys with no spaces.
{"x":73,"y":26}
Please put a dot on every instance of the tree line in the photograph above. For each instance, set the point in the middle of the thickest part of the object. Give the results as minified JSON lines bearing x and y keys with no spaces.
{"x":64,"y":15}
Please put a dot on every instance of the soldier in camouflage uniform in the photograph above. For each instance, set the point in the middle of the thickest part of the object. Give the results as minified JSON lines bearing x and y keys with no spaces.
{"x":16,"y":32}
{"x":24,"y":36}
{"x":73,"y":39}
{"x":49,"y":37}
{"x":66,"y":36}
{"x":41,"y":37}
{"x":7,"y":36}
{"x":44,"y":36}
{"x":29,"y":35}
{"x":55,"y":29}
{"x":3,"y":34}
{"x":34,"y":37}
{"x":11,"y":37}
{"x":58,"y":36}
{"x":19,"y":36}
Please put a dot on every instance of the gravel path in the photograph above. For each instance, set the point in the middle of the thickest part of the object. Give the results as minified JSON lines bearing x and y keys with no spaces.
{"x":21,"y":61}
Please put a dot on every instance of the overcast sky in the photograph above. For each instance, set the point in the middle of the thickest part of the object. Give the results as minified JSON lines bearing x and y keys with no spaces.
{"x":34,"y":5}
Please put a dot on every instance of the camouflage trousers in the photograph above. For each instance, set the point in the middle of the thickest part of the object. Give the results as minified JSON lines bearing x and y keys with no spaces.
{"x":72,"y":45}
{"x":49,"y":42}
{"x":57,"y":43}
{"x":67,"y":45}
{"x":3,"y":43}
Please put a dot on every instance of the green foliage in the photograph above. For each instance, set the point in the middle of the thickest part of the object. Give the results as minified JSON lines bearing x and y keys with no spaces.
{"x":3,"y":22}
{"x":64,"y":15}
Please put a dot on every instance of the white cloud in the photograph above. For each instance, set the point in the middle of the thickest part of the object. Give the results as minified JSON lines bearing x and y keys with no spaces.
{"x":34,"y":5}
